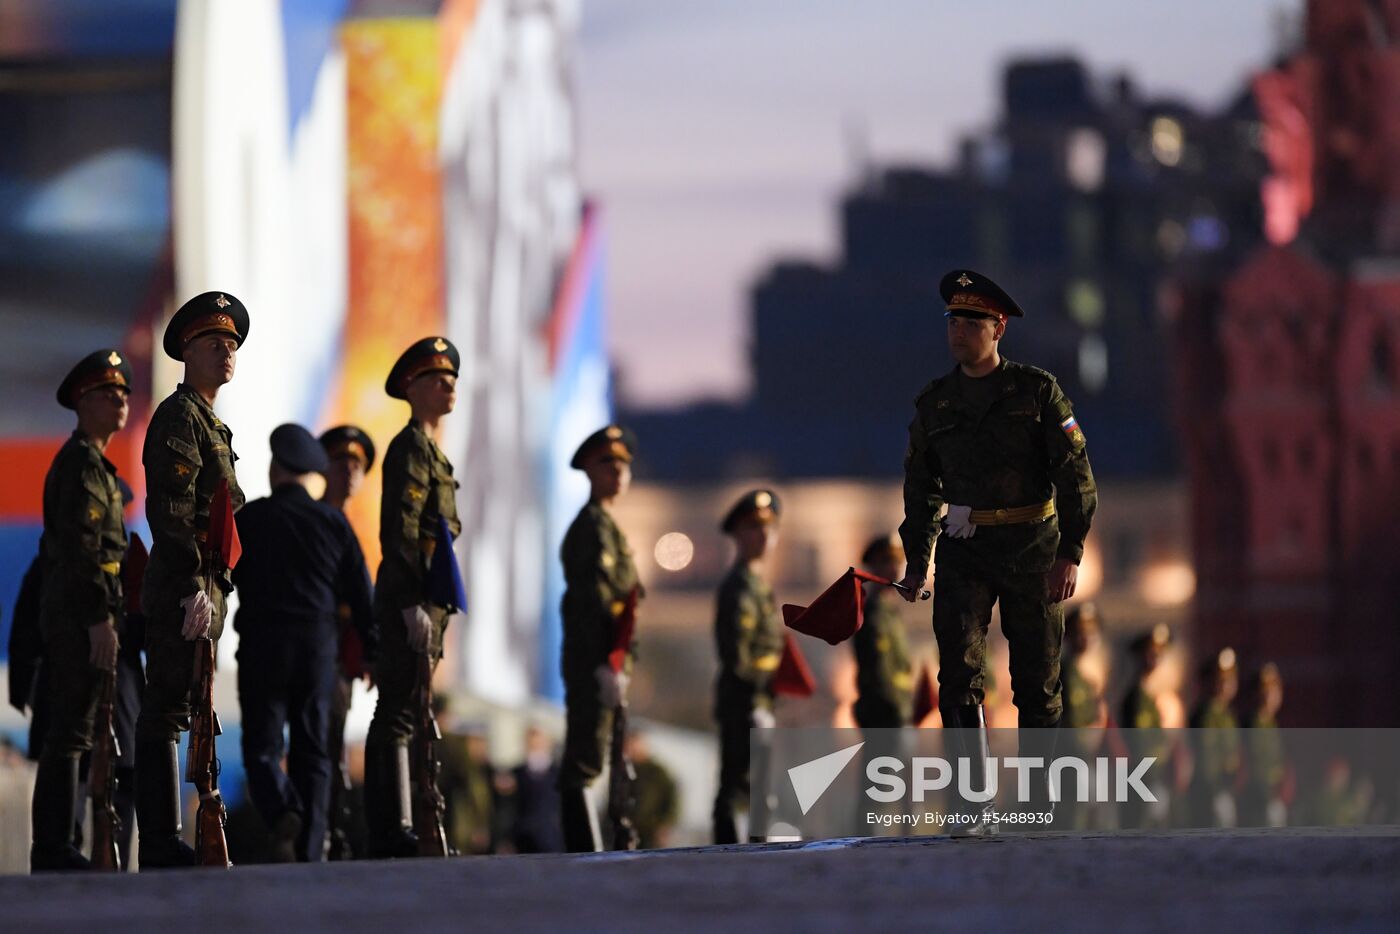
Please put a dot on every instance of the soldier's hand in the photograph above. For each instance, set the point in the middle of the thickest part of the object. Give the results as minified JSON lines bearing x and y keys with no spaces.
{"x":959,"y":522}
{"x":909,"y":587}
{"x":103,"y":645}
{"x":761,"y":718}
{"x":612,"y":686}
{"x":199,"y":616}
{"x":420,"y":628}
{"x":1064,"y":575}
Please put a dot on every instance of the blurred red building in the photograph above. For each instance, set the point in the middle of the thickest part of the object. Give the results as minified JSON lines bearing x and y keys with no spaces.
{"x":1288,"y":385}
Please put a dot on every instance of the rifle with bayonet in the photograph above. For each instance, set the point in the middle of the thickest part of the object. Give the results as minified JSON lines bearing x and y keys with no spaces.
{"x":622,"y":782}
{"x":429,"y":807}
{"x":102,"y":780}
{"x":622,"y":775}
{"x":202,"y":760}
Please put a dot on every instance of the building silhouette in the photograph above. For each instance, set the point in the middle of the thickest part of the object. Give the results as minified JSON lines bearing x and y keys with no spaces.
{"x":1078,"y":201}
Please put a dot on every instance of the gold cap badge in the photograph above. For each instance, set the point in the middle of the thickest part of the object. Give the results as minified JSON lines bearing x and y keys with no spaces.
{"x":613,"y":433}
{"x":114,"y":358}
{"x":964,"y":281}
{"x":439,"y":345}
{"x":222,"y":302}
{"x":763,"y":499}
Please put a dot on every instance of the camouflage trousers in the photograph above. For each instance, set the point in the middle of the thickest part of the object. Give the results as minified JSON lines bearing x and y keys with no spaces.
{"x":396,"y":674}
{"x":72,"y":687}
{"x":165,"y":706}
{"x":587,"y":737}
{"x":1034,"y":626}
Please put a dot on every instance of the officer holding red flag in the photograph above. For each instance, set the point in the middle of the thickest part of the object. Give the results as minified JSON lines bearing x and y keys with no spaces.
{"x":750,"y":638}
{"x":420,"y":495}
{"x":996,"y":443}
{"x":188,"y":454}
{"x":599,"y":605}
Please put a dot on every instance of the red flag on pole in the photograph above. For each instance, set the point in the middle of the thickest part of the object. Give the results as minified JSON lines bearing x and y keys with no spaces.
{"x":134,"y":572}
{"x":223,"y":531}
{"x":623,"y":629}
{"x":793,"y":676}
{"x":925,"y":696}
{"x":837,"y":613}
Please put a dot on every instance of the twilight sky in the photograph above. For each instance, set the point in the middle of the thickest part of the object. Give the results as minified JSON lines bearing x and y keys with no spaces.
{"x":715,"y":133}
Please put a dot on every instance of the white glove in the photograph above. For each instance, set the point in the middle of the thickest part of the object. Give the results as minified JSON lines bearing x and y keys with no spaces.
{"x":612,"y":686}
{"x":199,"y":616}
{"x":762,"y":719}
{"x":960,"y":524}
{"x":420,"y":628}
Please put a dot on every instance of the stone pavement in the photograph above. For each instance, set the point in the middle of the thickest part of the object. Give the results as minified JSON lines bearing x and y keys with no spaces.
{"x":1196,"y":882}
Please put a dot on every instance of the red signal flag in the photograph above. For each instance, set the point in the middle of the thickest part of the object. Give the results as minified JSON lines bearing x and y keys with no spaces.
{"x":623,"y":630}
{"x":793,"y":676}
{"x":223,"y":531}
{"x":837,"y":613}
{"x":925,"y":696}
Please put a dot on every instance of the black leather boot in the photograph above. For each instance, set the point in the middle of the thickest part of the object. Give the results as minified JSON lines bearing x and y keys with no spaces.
{"x":726,"y":827}
{"x":580,"y":826}
{"x":389,"y":802}
{"x":158,"y":807}
{"x":970,"y":742}
{"x":54,"y":808}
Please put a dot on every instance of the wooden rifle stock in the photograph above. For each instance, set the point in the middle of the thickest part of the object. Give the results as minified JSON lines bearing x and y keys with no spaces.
{"x":622,"y":779}
{"x":428,"y":803}
{"x":102,"y":776}
{"x":202,"y":761}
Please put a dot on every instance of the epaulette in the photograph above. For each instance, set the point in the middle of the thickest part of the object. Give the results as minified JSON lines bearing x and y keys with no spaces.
{"x":1034,"y":372}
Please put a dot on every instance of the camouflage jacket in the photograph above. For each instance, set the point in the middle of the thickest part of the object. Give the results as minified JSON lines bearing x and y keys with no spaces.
{"x":188,"y":451}
{"x":1219,"y":748}
{"x":84,"y":539}
{"x":749,"y":638}
{"x":1023,"y":450}
{"x":418,"y":488}
{"x":884,"y":672}
{"x":599,"y":574}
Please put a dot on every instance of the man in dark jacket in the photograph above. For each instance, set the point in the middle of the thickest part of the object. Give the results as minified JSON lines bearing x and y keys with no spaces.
{"x":301,"y":561}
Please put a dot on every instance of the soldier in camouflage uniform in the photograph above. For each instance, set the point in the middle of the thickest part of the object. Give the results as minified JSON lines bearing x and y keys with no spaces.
{"x":599,"y":576}
{"x":996,"y":442}
{"x":1140,"y":708}
{"x":1083,"y":687}
{"x":188,"y":453}
{"x":81,"y":608}
{"x":884,"y":671}
{"x":1085,"y":711}
{"x":749,"y":637}
{"x":1141,"y":715}
{"x":1216,"y":733}
{"x":1263,"y":804}
{"x":418,"y":489}
{"x":351,"y":452}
